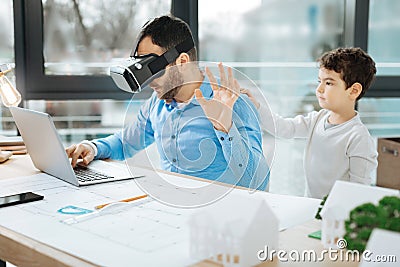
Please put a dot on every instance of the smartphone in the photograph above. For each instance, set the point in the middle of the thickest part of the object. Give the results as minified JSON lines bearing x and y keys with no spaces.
{"x":19,"y":198}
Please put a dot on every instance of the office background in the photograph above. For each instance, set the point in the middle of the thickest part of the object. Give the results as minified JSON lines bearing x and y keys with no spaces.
{"x":62,"y":49}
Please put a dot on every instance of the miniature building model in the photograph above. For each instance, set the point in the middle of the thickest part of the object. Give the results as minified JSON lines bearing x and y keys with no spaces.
{"x":344,"y":197}
{"x":384,"y":243}
{"x":231,"y":232}
{"x":333,"y":226}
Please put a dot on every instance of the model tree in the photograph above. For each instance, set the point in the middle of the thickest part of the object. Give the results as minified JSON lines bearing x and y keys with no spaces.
{"x":364,"y":218}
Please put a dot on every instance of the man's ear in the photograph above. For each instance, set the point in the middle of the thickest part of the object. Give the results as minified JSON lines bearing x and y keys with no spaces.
{"x":355,"y":90}
{"x":182,"y":59}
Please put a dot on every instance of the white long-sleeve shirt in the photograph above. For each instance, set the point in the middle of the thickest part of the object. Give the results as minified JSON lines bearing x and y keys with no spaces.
{"x":342,"y":152}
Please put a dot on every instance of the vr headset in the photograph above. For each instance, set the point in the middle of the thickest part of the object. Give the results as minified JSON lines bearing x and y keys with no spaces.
{"x":135,"y":72}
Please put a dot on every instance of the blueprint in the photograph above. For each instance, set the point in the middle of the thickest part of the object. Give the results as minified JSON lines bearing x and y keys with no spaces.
{"x":144,"y":232}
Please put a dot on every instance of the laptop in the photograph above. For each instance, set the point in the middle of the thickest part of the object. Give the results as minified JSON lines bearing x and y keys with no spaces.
{"x":48,"y":153}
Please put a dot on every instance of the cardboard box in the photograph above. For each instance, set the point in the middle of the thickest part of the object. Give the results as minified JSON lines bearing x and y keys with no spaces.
{"x":388,"y":173}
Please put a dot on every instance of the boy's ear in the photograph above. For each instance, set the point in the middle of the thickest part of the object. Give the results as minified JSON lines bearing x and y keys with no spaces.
{"x":355,"y":90}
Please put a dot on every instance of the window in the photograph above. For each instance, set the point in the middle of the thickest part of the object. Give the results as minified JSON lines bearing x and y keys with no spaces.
{"x":273,"y":31}
{"x":275,"y":43}
{"x":6,"y":56}
{"x":64,"y":56}
{"x":7,"y":32}
{"x":63,"y":49}
{"x":384,"y":35}
{"x":84,"y":37}
{"x":83,"y":119}
{"x":68,"y":45}
{"x":381,"y":114}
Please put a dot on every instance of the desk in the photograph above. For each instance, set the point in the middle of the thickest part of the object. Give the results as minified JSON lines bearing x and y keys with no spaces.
{"x":17,"y":165}
{"x":22,"y":250}
{"x":19,"y":249}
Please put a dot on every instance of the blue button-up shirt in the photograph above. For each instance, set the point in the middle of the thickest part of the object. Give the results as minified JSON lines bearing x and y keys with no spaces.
{"x":188,"y":143}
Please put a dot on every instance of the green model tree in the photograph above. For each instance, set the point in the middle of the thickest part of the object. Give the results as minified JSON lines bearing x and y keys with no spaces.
{"x":364,"y":218}
{"x":321,"y":205}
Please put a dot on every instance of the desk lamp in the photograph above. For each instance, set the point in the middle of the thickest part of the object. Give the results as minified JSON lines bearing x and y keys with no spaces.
{"x":9,"y":96}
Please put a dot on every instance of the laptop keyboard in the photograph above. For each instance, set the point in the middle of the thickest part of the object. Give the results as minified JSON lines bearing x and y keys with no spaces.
{"x":85,"y":174}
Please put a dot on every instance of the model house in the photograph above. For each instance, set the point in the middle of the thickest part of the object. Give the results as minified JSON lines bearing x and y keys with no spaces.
{"x":234,"y":236}
{"x":344,"y":197}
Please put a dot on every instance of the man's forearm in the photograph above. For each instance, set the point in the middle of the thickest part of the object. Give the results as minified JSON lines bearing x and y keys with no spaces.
{"x":244,"y":159}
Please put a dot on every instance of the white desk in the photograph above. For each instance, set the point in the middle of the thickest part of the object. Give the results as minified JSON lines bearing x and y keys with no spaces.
{"x":26,"y":250}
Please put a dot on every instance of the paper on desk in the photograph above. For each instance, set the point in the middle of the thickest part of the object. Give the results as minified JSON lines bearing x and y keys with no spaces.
{"x":149,"y":234}
{"x":292,"y":210}
{"x":106,"y":241}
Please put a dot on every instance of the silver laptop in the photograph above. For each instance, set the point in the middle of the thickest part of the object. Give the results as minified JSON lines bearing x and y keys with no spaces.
{"x":48,"y":153}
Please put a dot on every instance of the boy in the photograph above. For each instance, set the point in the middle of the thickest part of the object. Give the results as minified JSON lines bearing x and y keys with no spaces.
{"x":339,"y":146}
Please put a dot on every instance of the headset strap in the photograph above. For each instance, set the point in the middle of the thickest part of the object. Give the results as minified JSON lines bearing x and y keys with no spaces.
{"x":168,"y":57}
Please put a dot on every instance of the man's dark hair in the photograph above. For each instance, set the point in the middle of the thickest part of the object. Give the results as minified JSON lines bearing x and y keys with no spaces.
{"x":353,"y":64}
{"x":167,"y":32}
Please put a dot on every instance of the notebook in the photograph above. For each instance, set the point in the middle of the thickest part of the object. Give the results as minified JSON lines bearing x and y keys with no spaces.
{"x":48,"y":153}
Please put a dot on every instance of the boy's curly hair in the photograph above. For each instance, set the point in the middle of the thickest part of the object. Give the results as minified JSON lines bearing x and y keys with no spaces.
{"x":353,"y":64}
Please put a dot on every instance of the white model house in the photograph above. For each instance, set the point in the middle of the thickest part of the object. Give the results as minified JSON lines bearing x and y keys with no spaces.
{"x":344,"y":197}
{"x":385,"y":244}
{"x":232,"y":231}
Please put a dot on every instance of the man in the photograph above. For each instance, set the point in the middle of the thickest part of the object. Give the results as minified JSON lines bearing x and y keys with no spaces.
{"x":214,"y":135}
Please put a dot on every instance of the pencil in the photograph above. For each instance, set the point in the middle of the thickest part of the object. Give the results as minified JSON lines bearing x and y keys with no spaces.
{"x":123,"y":200}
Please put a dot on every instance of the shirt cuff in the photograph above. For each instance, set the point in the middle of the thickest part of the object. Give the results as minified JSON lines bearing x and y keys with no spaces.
{"x":91,"y":144}
{"x":227,"y":138}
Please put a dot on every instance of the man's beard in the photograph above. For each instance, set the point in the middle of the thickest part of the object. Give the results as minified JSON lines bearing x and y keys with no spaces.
{"x":170,"y":95}
{"x":172,"y":85}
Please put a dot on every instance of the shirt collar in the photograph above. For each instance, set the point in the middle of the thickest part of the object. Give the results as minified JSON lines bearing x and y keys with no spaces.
{"x":205,"y":88}
{"x":173,"y":104}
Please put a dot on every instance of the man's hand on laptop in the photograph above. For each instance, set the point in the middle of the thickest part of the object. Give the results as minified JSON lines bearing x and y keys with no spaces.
{"x":83,"y":150}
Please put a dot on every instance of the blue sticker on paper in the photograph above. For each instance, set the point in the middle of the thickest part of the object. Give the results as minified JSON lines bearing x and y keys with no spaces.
{"x":73,"y":210}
